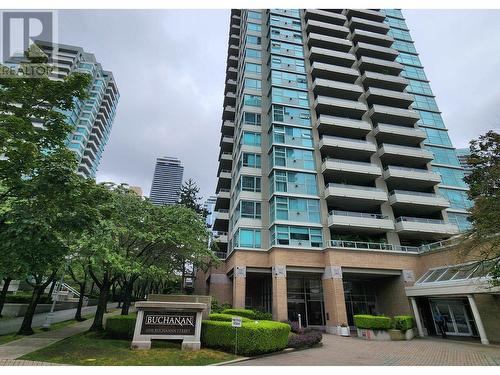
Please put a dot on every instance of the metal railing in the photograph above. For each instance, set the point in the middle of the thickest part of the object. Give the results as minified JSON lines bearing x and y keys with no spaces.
{"x":343,"y":161}
{"x":357,"y":187}
{"x":357,"y":214}
{"x":416,"y":193}
{"x":373,"y":246}
{"x":221,"y":255}
{"x":420,"y":220}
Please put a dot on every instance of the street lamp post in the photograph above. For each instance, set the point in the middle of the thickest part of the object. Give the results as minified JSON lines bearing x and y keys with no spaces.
{"x":50,"y":315}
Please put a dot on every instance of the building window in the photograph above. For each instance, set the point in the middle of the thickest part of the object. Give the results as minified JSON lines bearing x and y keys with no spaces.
{"x":414,"y":72}
{"x":249,"y":160}
{"x":294,"y":50}
{"x":296,"y":236}
{"x":400,"y":34}
{"x":250,"y":138}
{"x":393,"y":13}
{"x":288,"y":79}
{"x":253,"y":68}
{"x":450,"y":176}
{"x":291,"y":115}
{"x":444,"y":156}
{"x":285,"y":96}
{"x":430,"y":119}
{"x":396,"y":23}
{"x":460,"y":220}
{"x":252,"y":39}
{"x":251,"y":83}
{"x":425,"y":102}
{"x":437,"y":137}
{"x":293,"y":182}
{"x":248,"y":210}
{"x":246,"y":237}
{"x":291,"y":158}
{"x":252,"y":100}
{"x":404,"y":46}
{"x":457,"y":198}
{"x":254,"y":27}
{"x":287,"y":35}
{"x":292,"y":136}
{"x":294,"y":209}
{"x":249,"y":183}
{"x":288,"y":63}
{"x":253,"y":53}
{"x":250,"y":118}
{"x":419,"y":87}
{"x":405,"y":58}
{"x":254,"y":15}
{"x":284,"y":22}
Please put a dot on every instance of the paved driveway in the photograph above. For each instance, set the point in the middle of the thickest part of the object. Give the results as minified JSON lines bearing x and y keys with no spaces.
{"x":349,"y":351}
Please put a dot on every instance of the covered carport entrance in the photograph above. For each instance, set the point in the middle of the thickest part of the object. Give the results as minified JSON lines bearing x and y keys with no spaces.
{"x":463,"y":295}
{"x":374,"y":292}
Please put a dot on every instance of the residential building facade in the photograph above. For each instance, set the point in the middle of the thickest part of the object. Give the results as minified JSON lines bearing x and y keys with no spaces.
{"x":463,"y":154}
{"x":167,"y":181}
{"x":333,"y":186}
{"x":93,"y":117}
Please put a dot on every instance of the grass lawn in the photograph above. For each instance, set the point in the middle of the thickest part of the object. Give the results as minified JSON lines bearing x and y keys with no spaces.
{"x":91,"y":349}
{"x":4,"y":339}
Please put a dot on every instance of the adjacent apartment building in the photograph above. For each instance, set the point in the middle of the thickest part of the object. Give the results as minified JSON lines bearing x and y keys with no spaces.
{"x":339,"y":190}
{"x":167,"y":181}
{"x":92,"y":118}
{"x":463,"y":154}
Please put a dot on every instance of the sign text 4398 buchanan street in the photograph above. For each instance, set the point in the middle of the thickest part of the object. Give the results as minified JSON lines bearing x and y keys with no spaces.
{"x":168,"y":323}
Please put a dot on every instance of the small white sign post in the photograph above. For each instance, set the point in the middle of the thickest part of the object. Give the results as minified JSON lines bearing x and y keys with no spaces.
{"x":236,"y":323}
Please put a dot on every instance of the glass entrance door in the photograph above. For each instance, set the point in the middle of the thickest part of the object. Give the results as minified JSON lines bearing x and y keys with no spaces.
{"x":457,"y":319}
{"x":305,"y":297}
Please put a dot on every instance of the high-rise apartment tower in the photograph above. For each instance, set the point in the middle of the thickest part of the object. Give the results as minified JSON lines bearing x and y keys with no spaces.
{"x":167,"y":181}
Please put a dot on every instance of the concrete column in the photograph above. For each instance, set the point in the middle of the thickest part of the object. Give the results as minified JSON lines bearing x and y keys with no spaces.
{"x":280,"y":300}
{"x":239,"y":286}
{"x":333,"y":296}
{"x":477,"y":319}
{"x":417,"y":316}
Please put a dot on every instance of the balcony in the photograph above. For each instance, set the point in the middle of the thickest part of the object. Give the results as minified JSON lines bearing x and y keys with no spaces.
{"x":406,"y":202}
{"x":363,"y":36}
{"x":336,"y":89}
{"x":233,"y":50}
{"x":328,"y":42}
{"x":234,"y":39}
{"x":327,"y":56}
{"x":231,"y":85}
{"x":232,"y":61}
{"x":339,"y":107}
{"x":388,"y":98}
{"x":334,"y":72}
{"x":407,"y":156}
{"x":344,"y":127}
{"x":227,"y":128}
{"x":379,"y":66}
{"x":221,"y":222}
{"x":284,"y":12}
{"x":354,"y":196}
{"x":226,"y":144}
{"x":234,"y":29}
{"x":221,"y":237}
{"x":357,"y":173}
{"x":325,"y":16}
{"x":359,"y":222}
{"x":384,"y":81}
{"x":368,"y":14}
{"x":390,"y":115}
{"x":229,"y":99}
{"x":410,"y":178}
{"x":231,"y":73}
{"x":326,"y":28}
{"x":374,"y":27}
{"x":373,"y":246}
{"x":225,"y":161}
{"x":228,"y":113}
{"x":223,"y":199}
{"x":352,"y":149}
{"x":399,"y":135}
{"x":415,"y":227}
{"x":223,"y":181}
{"x":377,"y":52}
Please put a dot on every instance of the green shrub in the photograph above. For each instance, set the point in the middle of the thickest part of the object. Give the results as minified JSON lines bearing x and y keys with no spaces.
{"x":250,"y":314}
{"x":372,"y":322}
{"x":120,"y":326}
{"x":218,"y":308}
{"x":225,"y":317}
{"x":25,"y":297}
{"x":263,"y":315}
{"x":253,"y":337}
{"x":403,"y":322}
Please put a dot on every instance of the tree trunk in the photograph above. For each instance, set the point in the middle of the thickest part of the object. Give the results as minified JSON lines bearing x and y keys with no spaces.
{"x":52,"y":288}
{"x":97,"y":325}
{"x":3,"y":293}
{"x":127,"y":296}
{"x":30,"y":311}
{"x":183,"y":277}
{"x":78,"y":314}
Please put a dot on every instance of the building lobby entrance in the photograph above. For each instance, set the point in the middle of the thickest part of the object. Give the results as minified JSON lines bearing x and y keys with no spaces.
{"x":305,"y":297}
{"x":459,"y":321}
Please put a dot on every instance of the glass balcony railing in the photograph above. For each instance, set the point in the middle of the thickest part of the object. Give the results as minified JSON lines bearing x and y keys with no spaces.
{"x":415,"y":193}
{"x":357,"y":214}
{"x":373,"y":246}
{"x":357,"y":187}
{"x":420,"y":220}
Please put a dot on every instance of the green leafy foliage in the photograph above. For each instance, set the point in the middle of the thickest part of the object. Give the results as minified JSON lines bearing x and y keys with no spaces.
{"x":253,"y":337}
{"x":225,"y":317}
{"x":250,"y":314}
{"x":121,"y":326}
{"x":306,"y":339}
{"x":372,"y":322}
{"x":403,"y":322}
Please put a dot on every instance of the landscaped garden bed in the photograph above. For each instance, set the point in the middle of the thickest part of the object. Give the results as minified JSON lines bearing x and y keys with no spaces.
{"x":383,"y":328}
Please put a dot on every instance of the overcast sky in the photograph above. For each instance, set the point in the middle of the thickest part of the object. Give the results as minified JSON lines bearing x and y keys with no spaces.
{"x":170,"y":67}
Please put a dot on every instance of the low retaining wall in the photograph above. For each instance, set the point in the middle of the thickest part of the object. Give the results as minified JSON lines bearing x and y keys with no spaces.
{"x":385,"y":335}
{"x":19,"y":309}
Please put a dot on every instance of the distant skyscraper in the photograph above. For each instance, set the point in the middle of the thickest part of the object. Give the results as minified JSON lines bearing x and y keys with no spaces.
{"x":167,"y":181}
{"x":463,"y":154}
{"x":93,"y":117}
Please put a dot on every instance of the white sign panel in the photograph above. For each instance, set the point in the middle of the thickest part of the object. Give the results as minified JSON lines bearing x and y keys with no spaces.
{"x":236,"y":321}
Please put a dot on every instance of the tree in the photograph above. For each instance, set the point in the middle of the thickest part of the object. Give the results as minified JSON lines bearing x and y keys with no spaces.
{"x":484,"y":183}
{"x":189,"y":197}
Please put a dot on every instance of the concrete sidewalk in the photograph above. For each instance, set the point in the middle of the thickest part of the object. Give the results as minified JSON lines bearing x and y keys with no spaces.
{"x":28,"y":344}
{"x":13,"y":325}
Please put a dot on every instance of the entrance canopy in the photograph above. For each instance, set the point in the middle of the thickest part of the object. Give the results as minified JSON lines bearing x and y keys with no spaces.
{"x":459,"y":279}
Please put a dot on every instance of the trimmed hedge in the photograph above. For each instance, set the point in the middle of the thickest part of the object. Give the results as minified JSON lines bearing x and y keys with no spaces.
{"x":25,"y":297}
{"x":120,"y":326}
{"x":253,"y":337}
{"x":305,"y":340}
{"x":250,"y":314}
{"x":225,"y":318}
{"x":372,"y":322}
{"x":403,"y":322}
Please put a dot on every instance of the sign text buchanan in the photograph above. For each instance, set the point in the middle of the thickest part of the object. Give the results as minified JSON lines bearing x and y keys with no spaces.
{"x":168,"y":323}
